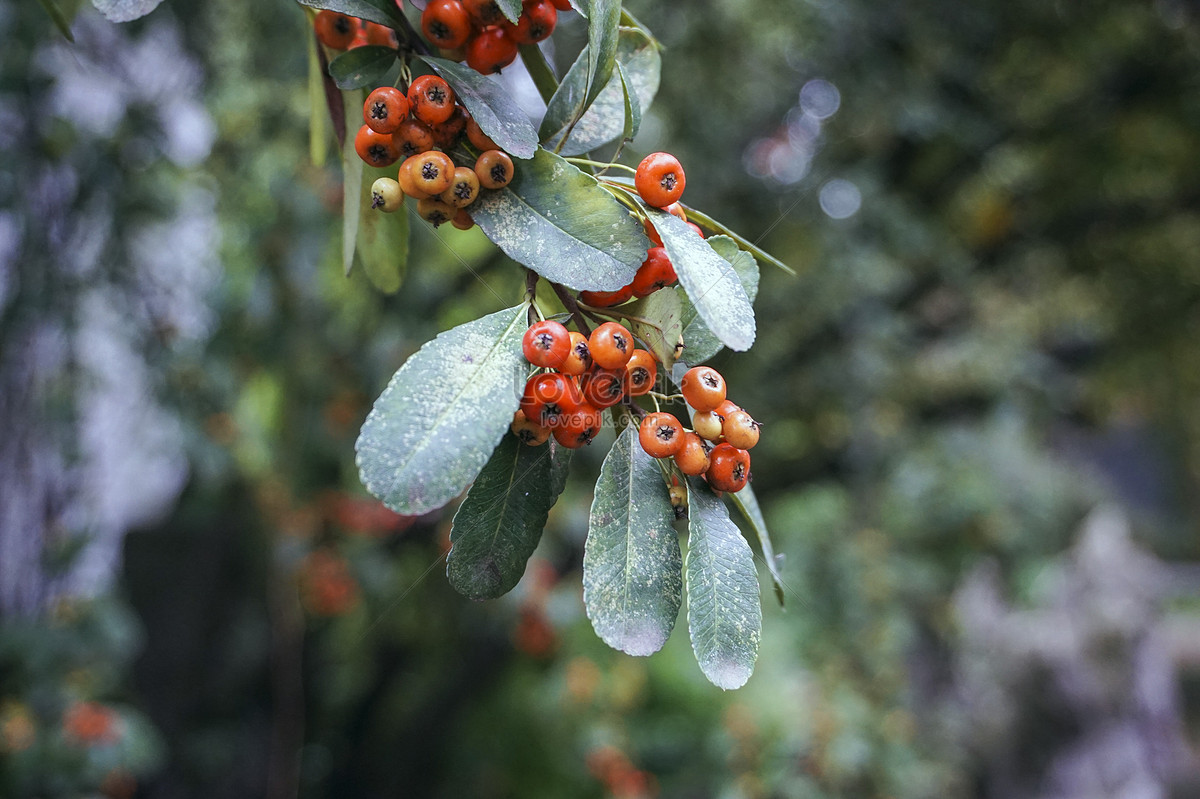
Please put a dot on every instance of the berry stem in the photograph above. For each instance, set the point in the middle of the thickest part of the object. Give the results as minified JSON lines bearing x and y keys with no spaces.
{"x":573,"y":308}
{"x":531,"y":280}
{"x":604,"y":167}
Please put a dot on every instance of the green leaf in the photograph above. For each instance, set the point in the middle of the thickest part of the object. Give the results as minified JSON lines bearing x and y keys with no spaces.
{"x":605,"y":119}
{"x":382,"y":246}
{"x":633,"y":107}
{"x":384,"y":12}
{"x":510,"y":8}
{"x":558,"y":221}
{"x":632,"y":580}
{"x":747,"y":503}
{"x":658,"y":321}
{"x":699,"y":344}
{"x":125,"y":10}
{"x":361,"y":67}
{"x":318,"y":125}
{"x":604,"y":19}
{"x":59,"y":19}
{"x":710,"y":281}
{"x":491,"y":106}
{"x":499,"y":524}
{"x":705,"y":221}
{"x":724,"y":613}
{"x":352,"y":179}
{"x":441,"y":416}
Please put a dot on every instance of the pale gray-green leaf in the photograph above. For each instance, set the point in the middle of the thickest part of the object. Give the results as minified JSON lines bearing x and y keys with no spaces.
{"x":633,"y":107}
{"x":125,"y":10}
{"x":491,"y":106}
{"x":382,"y":246}
{"x":499,"y":524}
{"x":711,"y":283}
{"x":352,"y":179}
{"x":384,"y":12}
{"x":698,"y":341}
{"x":658,"y":321}
{"x":510,"y":8}
{"x":441,"y":416}
{"x":604,"y":19}
{"x":724,"y":612}
{"x":559,"y":222}
{"x":605,"y":119}
{"x":747,"y":503}
{"x":632,"y":569}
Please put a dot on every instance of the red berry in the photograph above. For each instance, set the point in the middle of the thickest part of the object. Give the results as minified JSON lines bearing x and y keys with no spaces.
{"x":491,"y":50}
{"x":728,"y":468}
{"x":546,"y":343}
{"x":660,"y":434}
{"x":376,"y":149}
{"x":606,"y":299}
{"x":604,"y":388}
{"x":432,"y":99}
{"x":579,"y":358}
{"x":579,"y":427}
{"x":692,"y":458}
{"x":643,"y":371}
{"x":656,"y":272}
{"x":335,"y":30}
{"x":703,"y":388}
{"x":446,"y":23}
{"x":385,"y":109}
{"x":611,"y":344}
{"x":484,"y":12}
{"x":659,"y":179}
{"x":536,"y":22}
{"x":380,"y":35}
{"x":530,"y":433}
{"x":494,"y":169}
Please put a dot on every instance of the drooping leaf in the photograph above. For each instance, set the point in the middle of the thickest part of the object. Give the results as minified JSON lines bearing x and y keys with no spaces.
{"x":510,"y":8}
{"x":658,"y":321}
{"x":318,"y":113}
{"x":352,"y":180}
{"x":361,"y":67}
{"x":125,"y":10}
{"x":490,"y":105}
{"x":604,"y":19}
{"x":382,"y":246}
{"x":705,"y":221}
{"x":560,"y":469}
{"x":499,"y":524}
{"x":384,"y":12}
{"x":699,"y":344}
{"x":632,"y":580}
{"x":441,"y":416}
{"x":559,"y":222}
{"x":747,"y":503}
{"x":711,"y":283}
{"x":633,"y":106}
{"x":724,"y":612}
{"x":606,"y":118}
{"x":59,"y":19}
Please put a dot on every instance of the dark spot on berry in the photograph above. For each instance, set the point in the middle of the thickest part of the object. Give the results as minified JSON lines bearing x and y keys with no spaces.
{"x":379,"y":110}
{"x":429,"y":171}
{"x":439,"y":30}
{"x":620,"y":342}
{"x":543,"y":341}
{"x":739,"y":471}
{"x":499,"y":173}
{"x":377,"y":152}
{"x":463,"y":191}
{"x":664,"y":432}
{"x":668,"y":181}
{"x":408,"y":149}
{"x":436,"y":96}
{"x":639,"y":376}
{"x":342,"y":25}
{"x":437,"y":218}
{"x":376,"y":199}
{"x":709,"y":380}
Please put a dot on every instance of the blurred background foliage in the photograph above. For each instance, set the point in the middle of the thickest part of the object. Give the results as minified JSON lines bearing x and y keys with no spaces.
{"x":981,"y":455}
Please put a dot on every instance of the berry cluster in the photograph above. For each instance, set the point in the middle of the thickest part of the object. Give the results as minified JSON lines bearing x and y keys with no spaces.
{"x":717,"y":421}
{"x":659,"y":181}
{"x":423,"y":127}
{"x":339,"y":31}
{"x":476,"y":31}
{"x":582,"y":377}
